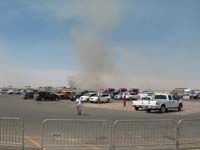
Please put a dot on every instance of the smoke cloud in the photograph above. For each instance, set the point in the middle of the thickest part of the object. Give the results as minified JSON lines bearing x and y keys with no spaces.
{"x":92,"y":51}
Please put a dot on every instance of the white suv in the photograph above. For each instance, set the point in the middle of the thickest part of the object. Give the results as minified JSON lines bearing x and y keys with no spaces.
{"x":100,"y":98}
{"x":85,"y":97}
{"x":130,"y":95}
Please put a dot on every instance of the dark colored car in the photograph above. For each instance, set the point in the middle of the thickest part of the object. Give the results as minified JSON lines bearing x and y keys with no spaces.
{"x":17,"y":92}
{"x":43,"y":96}
{"x":28,"y":95}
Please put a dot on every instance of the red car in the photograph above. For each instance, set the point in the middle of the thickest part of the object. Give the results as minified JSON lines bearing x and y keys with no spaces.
{"x":66,"y":95}
{"x":121,"y":90}
{"x":134,"y":90}
{"x":108,"y":90}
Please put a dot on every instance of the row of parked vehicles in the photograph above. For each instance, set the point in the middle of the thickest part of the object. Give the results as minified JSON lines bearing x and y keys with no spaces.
{"x":85,"y":96}
{"x":187,"y":94}
{"x":40,"y":96}
{"x":9,"y":92}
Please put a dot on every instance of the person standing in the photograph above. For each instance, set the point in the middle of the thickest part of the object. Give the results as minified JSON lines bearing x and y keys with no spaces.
{"x":79,"y":106}
{"x":124,"y":99}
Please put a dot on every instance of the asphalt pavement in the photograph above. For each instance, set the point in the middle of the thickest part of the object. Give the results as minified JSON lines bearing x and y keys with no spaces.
{"x":33,"y":113}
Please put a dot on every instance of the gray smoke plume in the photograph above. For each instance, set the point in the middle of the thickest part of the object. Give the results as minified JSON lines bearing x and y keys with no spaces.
{"x":95,"y":57}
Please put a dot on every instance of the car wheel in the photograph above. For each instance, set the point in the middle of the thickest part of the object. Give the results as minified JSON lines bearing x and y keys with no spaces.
{"x":148,"y":110}
{"x":180,"y":107}
{"x":162,"y":109}
{"x":108,"y":100}
{"x":136,"y":108}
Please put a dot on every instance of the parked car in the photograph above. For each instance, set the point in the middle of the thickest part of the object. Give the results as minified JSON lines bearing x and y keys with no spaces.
{"x":108,"y":90}
{"x":133,"y":90}
{"x":43,"y":96}
{"x":176,"y":96}
{"x":120,"y":90}
{"x":3,"y":91}
{"x":85,"y":97}
{"x":17,"y":92}
{"x":130,"y":95}
{"x":66,"y":95}
{"x":179,"y":95}
{"x":28,"y":95}
{"x":146,"y":95}
{"x":118,"y":96}
{"x":10,"y":92}
{"x":77,"y":95}
{"x":190,"y":94}
{"x":101,"y":98}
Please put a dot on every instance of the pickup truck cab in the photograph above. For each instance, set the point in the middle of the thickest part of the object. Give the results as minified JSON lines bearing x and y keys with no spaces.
{"x":161,"y":102}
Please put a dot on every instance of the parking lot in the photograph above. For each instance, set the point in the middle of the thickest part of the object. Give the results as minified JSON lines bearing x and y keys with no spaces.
{"x":33,"y":113}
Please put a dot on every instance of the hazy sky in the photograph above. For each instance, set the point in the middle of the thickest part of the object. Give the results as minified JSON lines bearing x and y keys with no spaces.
{"x":149,"y":43}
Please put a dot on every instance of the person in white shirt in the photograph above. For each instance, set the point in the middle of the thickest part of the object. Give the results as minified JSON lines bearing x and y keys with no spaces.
{"x":79,"y":106}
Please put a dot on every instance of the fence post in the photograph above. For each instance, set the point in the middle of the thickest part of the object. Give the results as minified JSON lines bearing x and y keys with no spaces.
{"x":23,"y":134}
{"x":178,"y":135}
{"x":42,"y":134}
{"x":112,"y":145}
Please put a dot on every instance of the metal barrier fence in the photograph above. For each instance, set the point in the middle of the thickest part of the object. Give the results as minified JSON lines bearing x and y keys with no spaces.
{"x":68,"y":132}
{"x":124,"y":133}
{"x":188,"y":131}
{"x":143,"y":133}
{"x":11,"y":131}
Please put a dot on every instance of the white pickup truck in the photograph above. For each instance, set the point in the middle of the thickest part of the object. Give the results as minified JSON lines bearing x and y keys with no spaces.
{"x":161,"y":102}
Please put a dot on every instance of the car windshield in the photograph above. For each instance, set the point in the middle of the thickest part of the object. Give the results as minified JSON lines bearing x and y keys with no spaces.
{"x":93,"y":95}
{"x":150,"y":94}
{"x":160,"y":97}
{"x":67,"y":92}
{"x":146,"y":98}
{"x":188,"y":92}
{"x":133,"y":94}
{"x":90,"y":94}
